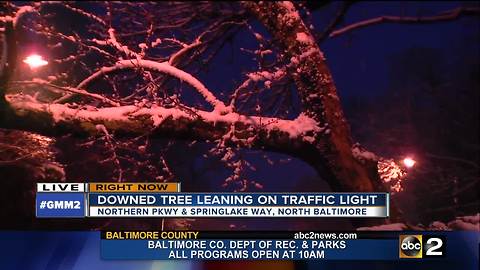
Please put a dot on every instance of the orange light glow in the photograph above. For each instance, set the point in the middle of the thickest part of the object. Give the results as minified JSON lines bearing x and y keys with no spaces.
{"x":409,"y":162}
{"x":35,"y":61}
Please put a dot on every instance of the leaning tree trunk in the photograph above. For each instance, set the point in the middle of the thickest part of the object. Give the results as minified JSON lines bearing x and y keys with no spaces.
{"x":332,"y":154}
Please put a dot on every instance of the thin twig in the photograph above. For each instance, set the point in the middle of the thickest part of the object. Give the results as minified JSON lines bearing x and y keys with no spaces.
{"x":443,"y":16}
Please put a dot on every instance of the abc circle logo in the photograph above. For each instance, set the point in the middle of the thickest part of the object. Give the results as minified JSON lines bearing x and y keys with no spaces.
{"x":418,"y":246}
{"x":410,"y":246}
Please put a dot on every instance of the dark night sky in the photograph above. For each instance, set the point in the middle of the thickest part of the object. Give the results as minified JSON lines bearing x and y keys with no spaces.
{"x":358,"y":60}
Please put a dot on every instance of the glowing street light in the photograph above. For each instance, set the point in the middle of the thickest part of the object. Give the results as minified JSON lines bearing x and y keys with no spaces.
{"x":35,"y":61}
{"x":409,"y":162}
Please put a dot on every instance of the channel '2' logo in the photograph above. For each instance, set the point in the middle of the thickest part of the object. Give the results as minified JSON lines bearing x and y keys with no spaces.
{"x":422,"y":246}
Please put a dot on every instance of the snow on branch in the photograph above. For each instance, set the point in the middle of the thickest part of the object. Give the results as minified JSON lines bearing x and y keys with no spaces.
{"x":444,"y":16}
{"x":252,"y":77}
{"x":250,"y":130}
{"x":120,"y":47}
{"x":18,"y":15}
{"x":163,"y":67}
{"x":265,"y":75}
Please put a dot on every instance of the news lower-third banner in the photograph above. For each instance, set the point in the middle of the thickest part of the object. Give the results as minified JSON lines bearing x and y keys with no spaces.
{"x":268,"y":245}
{"x":138,"y":249}
{"x":79,"y":200}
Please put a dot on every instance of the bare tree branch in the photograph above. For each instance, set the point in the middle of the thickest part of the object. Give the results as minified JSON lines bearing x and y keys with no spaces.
{"x":336,"y":21}
{"x":40,"y":82}
{"x":443,"y":16}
